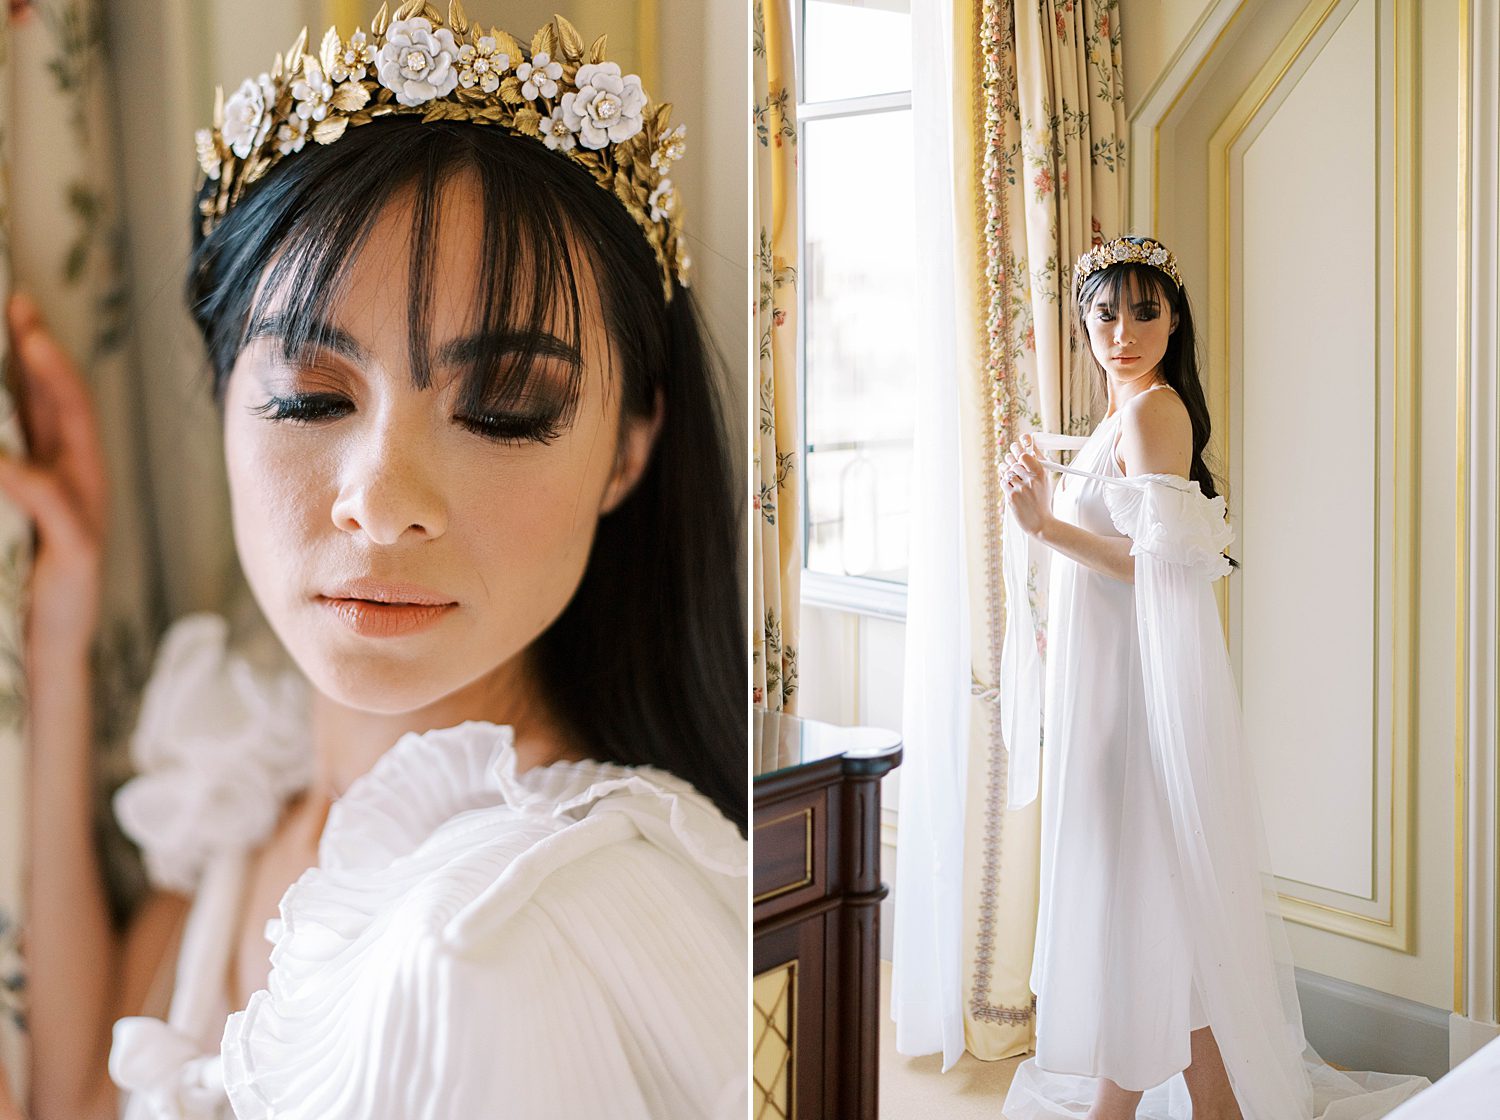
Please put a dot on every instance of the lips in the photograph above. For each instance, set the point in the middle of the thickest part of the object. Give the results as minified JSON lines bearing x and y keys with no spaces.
{"x":379,"y":609}
{"x":380,"y":591}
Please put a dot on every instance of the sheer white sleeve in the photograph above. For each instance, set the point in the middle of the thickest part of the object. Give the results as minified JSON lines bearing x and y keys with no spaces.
{"x":1243,"y":964}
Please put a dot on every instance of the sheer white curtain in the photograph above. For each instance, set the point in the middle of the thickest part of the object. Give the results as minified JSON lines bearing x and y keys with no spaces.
{"x":927,"y":979}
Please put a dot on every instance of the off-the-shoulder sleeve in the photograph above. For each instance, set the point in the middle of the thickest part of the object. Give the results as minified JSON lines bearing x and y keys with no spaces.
{"x":1168,"y":517}
{"x":543,"y":957}
{"x":218,"y":747}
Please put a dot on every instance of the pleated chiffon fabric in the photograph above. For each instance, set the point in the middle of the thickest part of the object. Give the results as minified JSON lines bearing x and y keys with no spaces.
{"x":1158,"y":910}
{"x":566,"y":941}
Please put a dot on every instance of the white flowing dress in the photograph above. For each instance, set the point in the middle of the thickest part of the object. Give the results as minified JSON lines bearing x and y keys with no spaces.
{"x":1157,"y":910}
{"x":567,"y":941}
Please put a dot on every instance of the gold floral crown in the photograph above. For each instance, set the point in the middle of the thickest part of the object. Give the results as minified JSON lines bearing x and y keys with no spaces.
{"x":565,"y":96}
{"x":1125,"y":250}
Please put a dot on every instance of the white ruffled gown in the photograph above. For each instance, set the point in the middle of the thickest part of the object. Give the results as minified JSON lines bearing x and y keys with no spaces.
{"x":567,"y":941}
{"x":1157,"y":910}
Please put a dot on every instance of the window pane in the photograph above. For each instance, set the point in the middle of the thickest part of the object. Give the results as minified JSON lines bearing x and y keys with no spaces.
{"x":861,"y":341}
{"x":856,"y":47}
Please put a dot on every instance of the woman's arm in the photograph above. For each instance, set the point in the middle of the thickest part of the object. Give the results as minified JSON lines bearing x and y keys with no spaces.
{"x":73,"y":955}
{"x":1156,"y":436}
{"x":1110,"y":555}
{"x":71,"y":949}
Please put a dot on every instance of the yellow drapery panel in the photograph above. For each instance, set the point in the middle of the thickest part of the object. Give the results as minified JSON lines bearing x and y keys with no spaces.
{"x":776,"y":562}
{"x":1042,"y":174}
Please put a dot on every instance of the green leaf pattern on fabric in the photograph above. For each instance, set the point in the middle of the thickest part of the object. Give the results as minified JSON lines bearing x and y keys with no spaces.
{"x":776,"y":564}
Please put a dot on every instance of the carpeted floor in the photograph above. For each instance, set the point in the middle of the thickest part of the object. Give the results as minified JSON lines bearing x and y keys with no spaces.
{"x":917,"y":1089}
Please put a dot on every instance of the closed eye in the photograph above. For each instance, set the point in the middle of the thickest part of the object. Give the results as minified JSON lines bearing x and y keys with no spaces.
{"x":303,"y":408}
{"x":311,"y":408}
{"x":514,"y":429}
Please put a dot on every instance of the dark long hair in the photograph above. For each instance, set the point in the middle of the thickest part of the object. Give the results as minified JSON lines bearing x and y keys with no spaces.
{"x":647,"y":663}
{"x":1179,"y":365}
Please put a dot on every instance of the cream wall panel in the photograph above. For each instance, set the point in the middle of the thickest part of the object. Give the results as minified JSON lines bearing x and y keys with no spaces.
{"x":1179,"y":98}
{"x":1308,"y":383}
{"x":1151,"y":31}
{"x":1426,"y":974}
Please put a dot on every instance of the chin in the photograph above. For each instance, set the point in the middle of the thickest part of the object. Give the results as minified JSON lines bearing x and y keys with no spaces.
{"x":382,"y":676}
{"x":379,"y":685}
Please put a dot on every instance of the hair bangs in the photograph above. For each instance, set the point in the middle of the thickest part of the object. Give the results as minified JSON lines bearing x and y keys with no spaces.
{"x":1147,"y":284}
{"x":527,"y":339}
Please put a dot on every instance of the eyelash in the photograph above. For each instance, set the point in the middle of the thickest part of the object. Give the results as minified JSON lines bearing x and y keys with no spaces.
{"x":310,"y":408}
{"x":1105,"y":316}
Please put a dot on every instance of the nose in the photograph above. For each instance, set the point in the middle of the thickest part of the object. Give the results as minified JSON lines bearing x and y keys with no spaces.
{"x":387,"y":488}
{"x":1121,"y":332}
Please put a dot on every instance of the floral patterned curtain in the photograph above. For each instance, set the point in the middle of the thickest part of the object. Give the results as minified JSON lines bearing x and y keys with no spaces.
{"x":1049,"y":181}
{"x":776,"y":564}
{"x":15,"y":556}
{"x":62,"y":242}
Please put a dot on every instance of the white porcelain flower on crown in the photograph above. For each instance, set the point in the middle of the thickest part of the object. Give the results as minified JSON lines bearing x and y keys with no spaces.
{"x":353,"y":60}
{"x":539,"y":76}
{"x":555,"y":132}
{"x":313,"y":91}
{"x":607,"y":107}
{"x":670,"y":148}
{"x":292,"y":135}
{"x":662,"y":201}
{"x":417,"y":62}
{"x":247,"y":115}
{"x":482,"y":65}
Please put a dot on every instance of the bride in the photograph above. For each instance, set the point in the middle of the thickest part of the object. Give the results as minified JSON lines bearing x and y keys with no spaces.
{"x":1164,"y":982}
{"x":478,"y":848}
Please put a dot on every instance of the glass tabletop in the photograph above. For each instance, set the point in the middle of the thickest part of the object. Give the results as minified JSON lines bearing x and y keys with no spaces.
{"x":782,"y":741}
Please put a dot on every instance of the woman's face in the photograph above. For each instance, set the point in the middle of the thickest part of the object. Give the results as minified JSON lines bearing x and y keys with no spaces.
{"x":1129,"y":340}
{"x":400,"y":549}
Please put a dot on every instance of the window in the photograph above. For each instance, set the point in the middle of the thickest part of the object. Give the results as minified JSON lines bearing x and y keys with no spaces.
{"x":859,"y":348}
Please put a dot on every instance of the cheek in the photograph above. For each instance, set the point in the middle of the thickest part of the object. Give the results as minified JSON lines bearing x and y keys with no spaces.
{"x":1098,"y":336}
{"x":530,"y":518}
{"x":1161,"y":333}
{"x":277,"y":500}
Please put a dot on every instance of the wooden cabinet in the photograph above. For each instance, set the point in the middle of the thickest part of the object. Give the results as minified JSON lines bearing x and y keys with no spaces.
{"x":817,"y":912}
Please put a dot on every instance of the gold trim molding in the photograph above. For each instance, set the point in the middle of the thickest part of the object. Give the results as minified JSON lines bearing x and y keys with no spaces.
{"x":1461,"y":538}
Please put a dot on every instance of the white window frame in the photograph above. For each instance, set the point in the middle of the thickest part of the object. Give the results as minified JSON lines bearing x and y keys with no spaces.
{"x":873,"y":598}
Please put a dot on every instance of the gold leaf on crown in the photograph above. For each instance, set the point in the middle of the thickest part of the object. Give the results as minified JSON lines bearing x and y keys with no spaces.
{"x":1122,"y":250}
{"x":557,"y":91}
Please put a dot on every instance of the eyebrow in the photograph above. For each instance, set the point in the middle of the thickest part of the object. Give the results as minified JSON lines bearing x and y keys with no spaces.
{"x":458,"y":352}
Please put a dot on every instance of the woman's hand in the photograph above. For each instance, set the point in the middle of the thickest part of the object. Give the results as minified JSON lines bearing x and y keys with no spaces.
{"x":1024,"y":480}
{"x":61,"y":487}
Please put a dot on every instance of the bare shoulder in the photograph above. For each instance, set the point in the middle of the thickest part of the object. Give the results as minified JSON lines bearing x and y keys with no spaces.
{"x":1156,"y":434}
